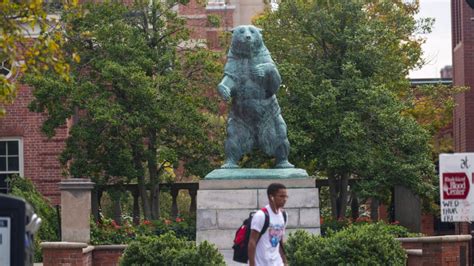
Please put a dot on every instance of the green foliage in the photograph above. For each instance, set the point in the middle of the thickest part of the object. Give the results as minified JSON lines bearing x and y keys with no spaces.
{"x":137,"y":95}
{"x":347,"y":65}
{"x":167,"y":249}
{"x":329,"y":226}
{"x":18,"y":20}
{"x":48,"y":231}
{"x":214,"y":20}
{"x":367,"y":244}
{"x":107,"y":231}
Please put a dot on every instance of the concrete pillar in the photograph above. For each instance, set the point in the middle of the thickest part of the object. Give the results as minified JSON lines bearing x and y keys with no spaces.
{"x":75,"y":209}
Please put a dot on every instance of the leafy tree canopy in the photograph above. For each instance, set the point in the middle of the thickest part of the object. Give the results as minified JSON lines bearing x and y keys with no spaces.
{"x":136,"y":96}
{"x":343,"y":64}
{"x":30,"y":41}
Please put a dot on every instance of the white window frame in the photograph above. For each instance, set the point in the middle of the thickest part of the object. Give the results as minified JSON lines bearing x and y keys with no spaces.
{"x":20,"y":171}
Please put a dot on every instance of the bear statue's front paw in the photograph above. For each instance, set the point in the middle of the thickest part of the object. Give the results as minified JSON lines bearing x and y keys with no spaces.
{"x":224,"y":92}
{"x":229,"y":165}
{"x":261,"y":70}
{"x":284,"y":164}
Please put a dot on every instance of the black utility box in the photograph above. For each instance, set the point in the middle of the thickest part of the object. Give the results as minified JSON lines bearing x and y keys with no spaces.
{"x":18,"y":224}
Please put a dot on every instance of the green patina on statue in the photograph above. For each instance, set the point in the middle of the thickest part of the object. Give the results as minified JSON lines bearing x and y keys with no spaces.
{"x":251,"y":80}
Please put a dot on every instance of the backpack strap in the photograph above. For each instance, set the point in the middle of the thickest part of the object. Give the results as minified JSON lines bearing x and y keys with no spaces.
{"x":267,"y":222}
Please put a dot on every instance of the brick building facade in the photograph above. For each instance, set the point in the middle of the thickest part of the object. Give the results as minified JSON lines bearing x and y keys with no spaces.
{"x":463,"y":74}
{"x":26,"y":151}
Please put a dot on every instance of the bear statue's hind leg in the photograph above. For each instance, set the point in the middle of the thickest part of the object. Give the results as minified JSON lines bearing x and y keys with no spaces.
{"x":239,"y":142}
{"x":281,"y":155}
{"x":283,"y":145}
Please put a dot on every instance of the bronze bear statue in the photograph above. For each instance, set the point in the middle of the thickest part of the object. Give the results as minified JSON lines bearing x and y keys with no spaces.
{"x":251,"y":80}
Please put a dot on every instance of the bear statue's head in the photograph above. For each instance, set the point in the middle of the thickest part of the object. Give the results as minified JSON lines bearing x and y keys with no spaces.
{"x":246,"y":41}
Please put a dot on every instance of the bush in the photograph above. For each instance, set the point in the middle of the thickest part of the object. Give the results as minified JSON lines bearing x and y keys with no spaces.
{"x":366,"y":244}
{"x":330,"y":226}
{"x":49,"y":229}
{"x":167,"y":249}
{"x":107,"y":231}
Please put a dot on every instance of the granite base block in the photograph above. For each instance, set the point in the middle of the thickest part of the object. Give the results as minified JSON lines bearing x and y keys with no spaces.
{"x":222,"y":207}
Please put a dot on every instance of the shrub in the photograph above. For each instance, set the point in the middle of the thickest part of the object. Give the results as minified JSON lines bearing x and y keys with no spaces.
{"x":396,"y":230}
{"x":167,"y":249}
{"x":48,"y":231}
{"x":366,"y":244}
{"x":107,"y":231}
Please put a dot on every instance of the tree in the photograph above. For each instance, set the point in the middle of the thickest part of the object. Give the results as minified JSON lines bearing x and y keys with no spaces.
{"x":137,"y":103}
{"x":343,"y":65}
{"x":432,"y":106}
{"x":19,"y":22}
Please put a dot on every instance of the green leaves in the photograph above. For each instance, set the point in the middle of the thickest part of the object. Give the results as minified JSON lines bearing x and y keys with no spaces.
{"x":167,"y":249}
{"x":136,"y":102}
{"x":367,"y":244}
{"x":343,"y":69}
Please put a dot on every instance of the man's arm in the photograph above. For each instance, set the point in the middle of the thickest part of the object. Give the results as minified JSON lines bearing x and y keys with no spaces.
{"x":254,"y":235}
{"x":282,"y":252}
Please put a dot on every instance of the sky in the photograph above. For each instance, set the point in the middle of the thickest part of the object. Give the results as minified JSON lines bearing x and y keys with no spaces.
{"x":437,"y":49}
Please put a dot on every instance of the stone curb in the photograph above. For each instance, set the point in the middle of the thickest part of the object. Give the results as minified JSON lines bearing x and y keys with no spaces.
{"x":432,"y":239}
{"x":63,"y":245}
{"x":414,"y":252}
{"x":109,"y":247}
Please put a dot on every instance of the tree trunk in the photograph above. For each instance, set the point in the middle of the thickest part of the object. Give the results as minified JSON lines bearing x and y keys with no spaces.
{"x":95,"y":204}
{"x":117,"y":211}
{"x":144,"y":197}
{"x":354,"y":206}
{"x":374,"y":209}
{"x":155,"y":201}
{"x":141,"y":185}
{"x":136,"y":207}
{"x":333,"y":195}
{"x":338,"y":194}
{"x":115,"y":196}
{"x":343,"y":195}
{"x":153,"y":173}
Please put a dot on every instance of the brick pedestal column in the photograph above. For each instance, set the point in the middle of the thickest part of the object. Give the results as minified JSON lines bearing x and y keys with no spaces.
{"x":75,"y":209}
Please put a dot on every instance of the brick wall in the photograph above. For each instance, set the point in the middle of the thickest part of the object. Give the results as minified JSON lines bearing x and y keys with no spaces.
{"x":463,"y":74}
{"x":63,"y":253}
{"x":80,"y":254}
{"x":107,"y":255}
{"x":439,"y":250}
{"x":40,"y":154}
{"x":196,"y":19}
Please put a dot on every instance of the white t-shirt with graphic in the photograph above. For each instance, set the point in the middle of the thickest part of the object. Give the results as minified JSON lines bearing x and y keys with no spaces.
{"x":268,"y":247}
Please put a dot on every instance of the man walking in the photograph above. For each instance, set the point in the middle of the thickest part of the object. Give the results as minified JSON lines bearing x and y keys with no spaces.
{"x":266,"y":248}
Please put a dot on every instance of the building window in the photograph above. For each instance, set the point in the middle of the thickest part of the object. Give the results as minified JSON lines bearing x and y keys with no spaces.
{"x":6,"y":68}
{"x":11,"y":160}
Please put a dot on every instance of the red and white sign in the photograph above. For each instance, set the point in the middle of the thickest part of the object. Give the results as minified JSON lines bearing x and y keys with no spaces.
{"x":455,"y":185}
{"x":456,"y":176}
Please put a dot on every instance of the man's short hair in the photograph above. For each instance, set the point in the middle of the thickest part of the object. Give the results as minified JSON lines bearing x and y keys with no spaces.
{"x":273,"y":188}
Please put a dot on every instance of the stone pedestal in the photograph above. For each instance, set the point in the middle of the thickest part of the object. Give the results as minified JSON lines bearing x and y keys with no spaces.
{"x":223,"y":203}
{"x":75,"y":209}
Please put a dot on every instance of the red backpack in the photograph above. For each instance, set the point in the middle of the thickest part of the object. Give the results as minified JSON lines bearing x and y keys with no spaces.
{"x":242,"y":236}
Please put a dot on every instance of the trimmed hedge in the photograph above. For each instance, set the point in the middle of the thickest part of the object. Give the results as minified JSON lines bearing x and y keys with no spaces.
{"x":167,"y":249}
{"x":368,"y":244}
